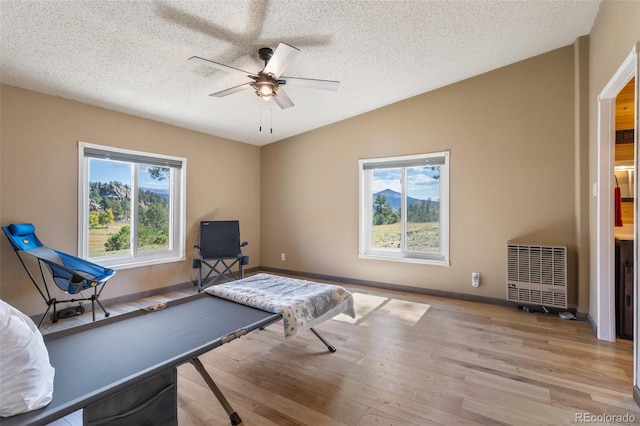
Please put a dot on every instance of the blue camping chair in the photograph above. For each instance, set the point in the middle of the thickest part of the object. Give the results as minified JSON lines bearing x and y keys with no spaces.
{"x":71,"y":274}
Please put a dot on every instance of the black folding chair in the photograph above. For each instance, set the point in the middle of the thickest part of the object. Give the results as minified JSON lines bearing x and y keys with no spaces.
{"x":219,"y":251}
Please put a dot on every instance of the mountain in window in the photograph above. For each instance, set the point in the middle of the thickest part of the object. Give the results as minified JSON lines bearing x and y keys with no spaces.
{"x":394,"y":199}
{"x":161,"y":192}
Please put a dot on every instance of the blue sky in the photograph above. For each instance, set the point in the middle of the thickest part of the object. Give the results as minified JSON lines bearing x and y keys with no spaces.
{"x":108,"y":171}
{"x":420,"y":182}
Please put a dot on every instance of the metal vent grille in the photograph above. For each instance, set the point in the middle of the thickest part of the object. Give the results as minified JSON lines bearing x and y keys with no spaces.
{"x":537,"y":274}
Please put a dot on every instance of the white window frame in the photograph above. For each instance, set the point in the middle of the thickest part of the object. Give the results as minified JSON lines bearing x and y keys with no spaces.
{"x":177,"y":220}
{"x":366,"y":248}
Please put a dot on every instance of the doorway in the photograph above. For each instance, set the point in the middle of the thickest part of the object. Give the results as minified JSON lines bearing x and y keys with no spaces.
{"x":624,"y":213}
{"x":605,"y":239}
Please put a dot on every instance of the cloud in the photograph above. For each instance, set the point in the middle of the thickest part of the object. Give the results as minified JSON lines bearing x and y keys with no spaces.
{"x":420,"y":182}
{"x":386,"y":179}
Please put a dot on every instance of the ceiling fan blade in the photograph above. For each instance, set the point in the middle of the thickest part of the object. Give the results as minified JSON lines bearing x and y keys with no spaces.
{"x":232,"y":90}
{"x":311,"y":83}
{"x":281,"y":58}
{"x":220,"y":66}
{"x":283,"y":100}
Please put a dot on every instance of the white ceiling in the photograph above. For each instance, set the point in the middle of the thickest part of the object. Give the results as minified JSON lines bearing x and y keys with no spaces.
{"x":132,"y":56}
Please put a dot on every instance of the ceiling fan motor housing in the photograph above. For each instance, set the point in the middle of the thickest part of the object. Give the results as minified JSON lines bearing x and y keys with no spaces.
{"x":265,"y":54}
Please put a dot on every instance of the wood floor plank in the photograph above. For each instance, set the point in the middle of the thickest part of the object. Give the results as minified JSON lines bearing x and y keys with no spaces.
{"x":486,"y":413}
{"x":376,"y":417}
{"x":301,"y":413}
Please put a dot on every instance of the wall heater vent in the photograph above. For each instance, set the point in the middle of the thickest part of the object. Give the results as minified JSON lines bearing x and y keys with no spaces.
{"x":537,"y":274}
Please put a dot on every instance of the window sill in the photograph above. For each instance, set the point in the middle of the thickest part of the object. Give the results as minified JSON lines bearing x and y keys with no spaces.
{"x":400,"y":258}
{"x":119,"y":264}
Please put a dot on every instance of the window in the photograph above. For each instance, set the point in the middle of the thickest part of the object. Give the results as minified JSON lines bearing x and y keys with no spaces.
{"x":404,"y":208}
{"x":131,"y":206}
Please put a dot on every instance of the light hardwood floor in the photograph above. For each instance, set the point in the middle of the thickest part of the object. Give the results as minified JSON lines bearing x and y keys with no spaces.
{"x":412,"y":359}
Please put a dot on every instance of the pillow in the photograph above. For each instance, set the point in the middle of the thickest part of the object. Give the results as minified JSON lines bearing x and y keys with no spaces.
{"x":22,"y":229}
{"x":26,"y":376}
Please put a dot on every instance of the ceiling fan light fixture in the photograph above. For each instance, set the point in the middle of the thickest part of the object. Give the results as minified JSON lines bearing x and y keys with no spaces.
{"x":265,"y":90}
{"x":265,"y":85}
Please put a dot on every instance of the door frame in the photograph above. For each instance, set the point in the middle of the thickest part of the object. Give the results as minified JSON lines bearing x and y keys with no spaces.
{"x":606,"y":329}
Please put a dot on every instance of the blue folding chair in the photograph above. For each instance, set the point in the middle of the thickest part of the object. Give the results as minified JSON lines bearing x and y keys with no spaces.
{"x":69,"y":273}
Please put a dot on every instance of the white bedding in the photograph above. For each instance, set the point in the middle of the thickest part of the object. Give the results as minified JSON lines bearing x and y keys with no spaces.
{"x":303,"y":304}
{"x":26,"y":376}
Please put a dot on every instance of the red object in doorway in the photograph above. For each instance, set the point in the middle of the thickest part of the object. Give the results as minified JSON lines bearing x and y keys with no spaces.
{"x":618,"y":206}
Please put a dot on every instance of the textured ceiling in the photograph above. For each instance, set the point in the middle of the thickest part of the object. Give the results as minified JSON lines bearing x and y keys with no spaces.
{"x":132,"y":56}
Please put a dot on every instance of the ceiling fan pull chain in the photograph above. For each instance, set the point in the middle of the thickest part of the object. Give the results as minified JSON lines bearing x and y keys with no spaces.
{"x":260,"y":118}
{"x":271,"y":118}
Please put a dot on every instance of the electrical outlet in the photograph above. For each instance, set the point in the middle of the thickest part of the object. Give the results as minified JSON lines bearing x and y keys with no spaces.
{"x":475,"y":279}
{"x":283,"y":257}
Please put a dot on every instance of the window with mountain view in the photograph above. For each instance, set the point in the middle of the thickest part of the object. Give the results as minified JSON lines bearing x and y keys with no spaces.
{"x":404,"y":208}
{"x":132,"y":206}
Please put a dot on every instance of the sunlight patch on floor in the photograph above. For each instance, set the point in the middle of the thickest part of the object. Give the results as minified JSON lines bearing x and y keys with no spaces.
{"x":375,"y":308}
{"x":399,"y":312}
{"x":363,"y":305}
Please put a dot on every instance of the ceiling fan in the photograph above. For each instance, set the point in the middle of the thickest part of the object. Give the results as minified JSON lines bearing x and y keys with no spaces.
{"x":268,"y":82}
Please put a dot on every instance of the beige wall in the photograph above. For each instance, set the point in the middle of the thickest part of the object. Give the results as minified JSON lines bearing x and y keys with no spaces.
{"x":511,"y":137}
{"x":39,"y":183}
{"x":615,"y":31}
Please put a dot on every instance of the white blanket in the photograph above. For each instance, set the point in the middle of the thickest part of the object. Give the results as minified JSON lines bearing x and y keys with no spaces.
{"x":303,"y":304}
{"x":26,"y":375}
